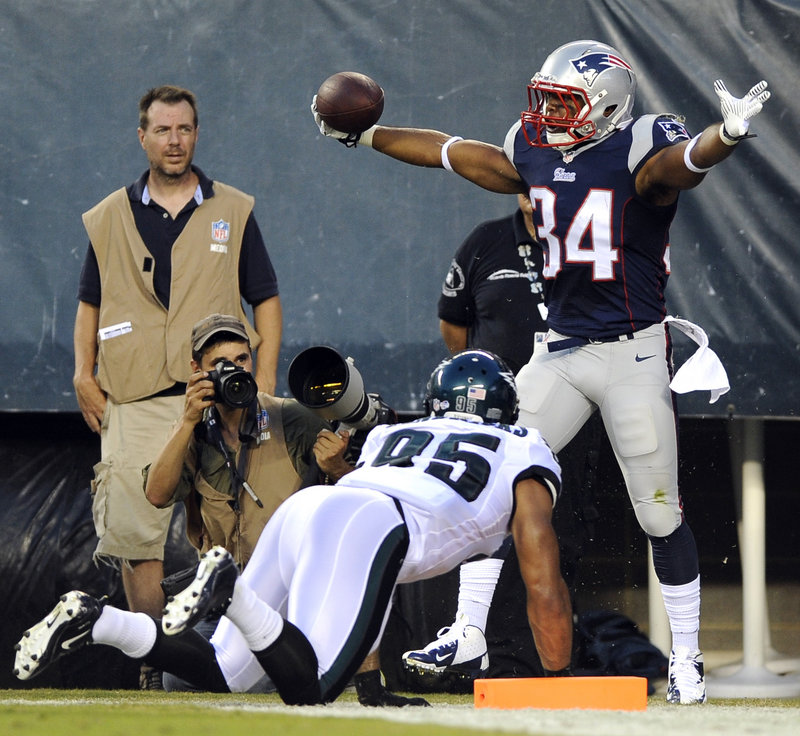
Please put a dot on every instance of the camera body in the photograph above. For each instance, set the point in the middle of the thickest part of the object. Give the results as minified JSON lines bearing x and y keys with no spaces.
{"x":233,"y":386}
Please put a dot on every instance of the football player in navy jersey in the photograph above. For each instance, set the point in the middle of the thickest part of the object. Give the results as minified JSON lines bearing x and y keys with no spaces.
{"x":604,"y":187}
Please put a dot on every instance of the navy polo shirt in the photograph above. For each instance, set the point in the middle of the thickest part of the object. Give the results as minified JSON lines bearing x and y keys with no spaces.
{"x":494,"y":288}
{"x":257,"y":279}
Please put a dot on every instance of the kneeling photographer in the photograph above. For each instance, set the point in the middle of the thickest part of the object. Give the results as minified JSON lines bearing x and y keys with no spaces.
{"x":235,"y":454}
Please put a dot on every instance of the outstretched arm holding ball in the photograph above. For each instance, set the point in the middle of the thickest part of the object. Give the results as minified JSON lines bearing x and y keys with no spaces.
{"x":481,"y":163}
{"x":348,"y":106}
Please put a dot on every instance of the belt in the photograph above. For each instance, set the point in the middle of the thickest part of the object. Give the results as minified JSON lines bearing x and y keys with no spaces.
{"x":576,"y":342}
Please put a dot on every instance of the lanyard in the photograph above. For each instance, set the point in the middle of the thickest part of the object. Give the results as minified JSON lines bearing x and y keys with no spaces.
{"x":237,"y":473}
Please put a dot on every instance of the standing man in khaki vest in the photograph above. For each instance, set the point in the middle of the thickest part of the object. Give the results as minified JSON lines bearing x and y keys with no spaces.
{"x":163,"y":252}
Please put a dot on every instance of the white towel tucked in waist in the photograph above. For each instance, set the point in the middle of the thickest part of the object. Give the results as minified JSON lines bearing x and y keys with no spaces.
{"x":703,"y":370}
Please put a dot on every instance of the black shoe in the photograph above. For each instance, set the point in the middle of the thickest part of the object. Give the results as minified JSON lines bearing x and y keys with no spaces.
{"x":150,"y":678}
{"x":209,"y":593}
{"x":66,"y":628}
{"x":372,"y":692}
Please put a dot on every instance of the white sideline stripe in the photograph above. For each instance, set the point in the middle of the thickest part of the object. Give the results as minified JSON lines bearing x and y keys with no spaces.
{"x":661,"y":718}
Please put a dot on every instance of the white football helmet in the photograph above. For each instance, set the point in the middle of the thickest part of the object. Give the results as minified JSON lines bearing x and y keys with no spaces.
{"x":592,"y":82}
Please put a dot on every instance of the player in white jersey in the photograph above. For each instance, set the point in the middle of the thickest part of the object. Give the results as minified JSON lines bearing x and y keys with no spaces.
{"x":455,"y":485}
{"x":315,"y":596}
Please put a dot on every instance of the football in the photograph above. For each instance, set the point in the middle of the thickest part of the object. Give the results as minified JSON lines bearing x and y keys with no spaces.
{"x":350,"y":102}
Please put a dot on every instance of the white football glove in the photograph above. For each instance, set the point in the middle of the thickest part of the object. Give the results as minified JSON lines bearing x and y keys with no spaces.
{"x":736,"y":112}
{"x":349,"y":139}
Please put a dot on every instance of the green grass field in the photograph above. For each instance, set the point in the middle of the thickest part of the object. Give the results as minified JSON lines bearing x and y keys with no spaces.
{"x":124,"y":713}
{"x":48,"y":712}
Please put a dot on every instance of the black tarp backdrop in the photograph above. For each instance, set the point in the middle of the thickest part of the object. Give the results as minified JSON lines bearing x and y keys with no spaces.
{"x":360,"y":242}
{"x":48,"y":541}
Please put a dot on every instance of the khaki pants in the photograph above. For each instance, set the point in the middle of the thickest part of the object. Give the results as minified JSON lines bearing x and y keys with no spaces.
{"x":127,"y":525}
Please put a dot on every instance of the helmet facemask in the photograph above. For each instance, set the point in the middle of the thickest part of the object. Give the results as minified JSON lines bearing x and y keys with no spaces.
{"x":552,"y":130}
{"x":592,"y":83}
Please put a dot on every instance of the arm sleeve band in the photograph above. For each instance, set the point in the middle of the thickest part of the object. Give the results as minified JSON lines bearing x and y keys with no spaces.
{"x":725,"y":138}
{"x":449,"y":142}
{"x":687,"y":157}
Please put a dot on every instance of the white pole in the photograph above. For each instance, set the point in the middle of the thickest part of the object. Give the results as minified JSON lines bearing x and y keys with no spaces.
{"x":660,"y":634}
{"x":752,"y":679}
{"x":754,"y":582}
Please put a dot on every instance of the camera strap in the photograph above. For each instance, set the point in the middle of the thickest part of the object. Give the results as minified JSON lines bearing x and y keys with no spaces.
{"x":237,"y":472}
{"x":241,"y":472}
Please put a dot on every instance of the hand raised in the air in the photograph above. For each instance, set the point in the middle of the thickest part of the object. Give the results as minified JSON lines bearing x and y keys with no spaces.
{"x":737,"y":112}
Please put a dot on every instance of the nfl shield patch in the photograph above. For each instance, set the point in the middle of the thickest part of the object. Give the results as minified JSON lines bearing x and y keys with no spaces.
{"x":220,"y":231}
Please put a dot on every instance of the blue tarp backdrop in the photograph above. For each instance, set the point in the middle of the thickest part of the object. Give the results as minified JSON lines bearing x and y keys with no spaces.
{"x":360,"y":242}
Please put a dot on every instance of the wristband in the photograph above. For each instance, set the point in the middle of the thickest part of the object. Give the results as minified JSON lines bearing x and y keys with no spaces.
{"x":365,"y":138}
{"x":725,"y":138}
{"x":566,"y":672}
{"x":449,"y":142}
{"x":687,"y":158}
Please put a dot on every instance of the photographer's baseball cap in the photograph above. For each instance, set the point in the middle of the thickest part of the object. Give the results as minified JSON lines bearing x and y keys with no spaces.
{"x":214,"y":324}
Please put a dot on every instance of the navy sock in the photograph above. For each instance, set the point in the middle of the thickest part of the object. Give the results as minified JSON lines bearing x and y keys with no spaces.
{"x":675,"y":556}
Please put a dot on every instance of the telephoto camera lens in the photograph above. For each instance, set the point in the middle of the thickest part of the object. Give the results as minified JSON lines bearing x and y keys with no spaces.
{"x":331,"y":386}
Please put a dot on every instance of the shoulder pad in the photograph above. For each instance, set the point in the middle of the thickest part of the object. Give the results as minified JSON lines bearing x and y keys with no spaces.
{"x":508,"y":144}
{"x":652,"y":132}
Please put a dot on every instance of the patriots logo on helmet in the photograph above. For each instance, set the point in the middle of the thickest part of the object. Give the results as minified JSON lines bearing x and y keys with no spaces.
{"x":591,"y":66}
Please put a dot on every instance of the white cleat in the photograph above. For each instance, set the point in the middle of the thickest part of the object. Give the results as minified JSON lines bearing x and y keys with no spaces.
{"x":459,"y":649}
{"x":687,"y":683}
{"x":209,"y":592}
